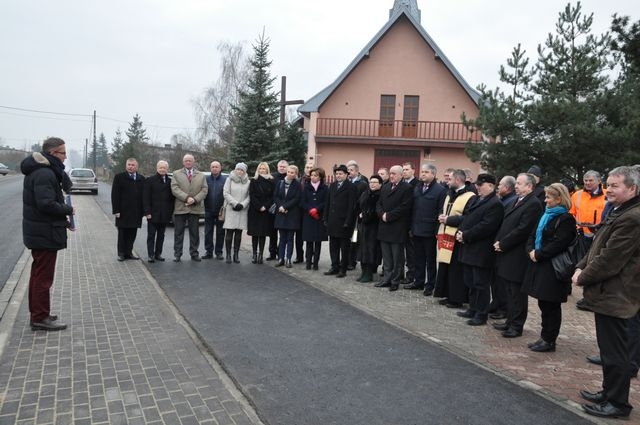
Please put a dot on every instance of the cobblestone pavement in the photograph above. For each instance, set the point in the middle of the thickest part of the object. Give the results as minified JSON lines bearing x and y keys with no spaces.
{"x":127,"y":357}
{"x":559,"y":376}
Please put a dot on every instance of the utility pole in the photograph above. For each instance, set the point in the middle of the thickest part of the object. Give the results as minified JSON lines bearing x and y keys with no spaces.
{"x":284,"y":102}
{"x":86,"y":152}
{"x":95,"y":143}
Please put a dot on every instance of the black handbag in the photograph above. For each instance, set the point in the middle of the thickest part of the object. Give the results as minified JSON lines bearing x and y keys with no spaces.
{"x":564,"y":264}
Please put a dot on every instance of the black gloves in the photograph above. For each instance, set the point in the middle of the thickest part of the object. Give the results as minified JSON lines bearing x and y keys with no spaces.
{"x":237,"y":207}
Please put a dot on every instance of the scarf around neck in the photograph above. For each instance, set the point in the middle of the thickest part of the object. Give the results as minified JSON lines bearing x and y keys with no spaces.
{"x":549,"y":214}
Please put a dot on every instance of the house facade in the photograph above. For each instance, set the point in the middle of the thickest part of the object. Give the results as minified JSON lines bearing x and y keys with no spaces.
{"x":399,"y":100}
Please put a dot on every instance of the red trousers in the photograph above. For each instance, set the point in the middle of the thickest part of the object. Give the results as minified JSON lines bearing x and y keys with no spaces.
{"x":41,"y":280}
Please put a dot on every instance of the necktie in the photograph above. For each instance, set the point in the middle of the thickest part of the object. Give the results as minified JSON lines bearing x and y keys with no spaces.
{"x":132,"y":176}
{"x":164,"y":180}
{"x":339,"y":184}
{"x":393,"y":187}
{"x":189,"y":175}
{"x":425,"y":188}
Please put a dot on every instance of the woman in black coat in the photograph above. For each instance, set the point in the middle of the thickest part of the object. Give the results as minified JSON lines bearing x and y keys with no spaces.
{"x":556,"y":230}
{"x":287,"y":199}
{"x":260,"y":222}
{"x":314,"y":232}
{"x":370,"y":253}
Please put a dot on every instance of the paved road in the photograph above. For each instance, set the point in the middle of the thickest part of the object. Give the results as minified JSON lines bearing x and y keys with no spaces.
{"x":10,"y":224}
{"x":304,"y":357}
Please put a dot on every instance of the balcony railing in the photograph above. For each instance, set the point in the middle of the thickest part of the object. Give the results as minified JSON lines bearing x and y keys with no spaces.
{"x":420,"y":130}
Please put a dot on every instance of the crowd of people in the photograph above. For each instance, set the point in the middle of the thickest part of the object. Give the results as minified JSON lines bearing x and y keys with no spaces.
{"x":481,"y":246}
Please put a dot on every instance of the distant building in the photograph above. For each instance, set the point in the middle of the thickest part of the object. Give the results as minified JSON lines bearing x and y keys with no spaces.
{"x":399,"y":100}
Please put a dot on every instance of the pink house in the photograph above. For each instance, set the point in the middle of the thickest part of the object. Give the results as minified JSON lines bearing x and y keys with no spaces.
{"x":399,"y":100}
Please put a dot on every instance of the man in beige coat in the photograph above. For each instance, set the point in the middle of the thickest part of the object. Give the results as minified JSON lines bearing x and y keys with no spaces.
{"x":189,"y":186}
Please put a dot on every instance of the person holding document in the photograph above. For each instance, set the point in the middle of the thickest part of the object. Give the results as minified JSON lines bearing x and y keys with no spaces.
{"x":44,"y":225}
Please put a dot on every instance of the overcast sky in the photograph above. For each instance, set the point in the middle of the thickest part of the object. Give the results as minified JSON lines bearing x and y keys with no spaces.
{"x":151,"y":57}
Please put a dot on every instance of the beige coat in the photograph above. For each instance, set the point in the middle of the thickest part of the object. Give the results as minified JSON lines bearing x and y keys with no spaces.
{"x":236,"y":191}
{"x":182,"y":189}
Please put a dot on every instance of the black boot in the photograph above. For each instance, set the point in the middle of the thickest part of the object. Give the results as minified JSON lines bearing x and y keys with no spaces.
{"x":235,"y":256}
{"x":228,"y":257}
{"x":363,"y":267}
{"x":260,"y":259}
{"x":227,"y":248}
{"x":367,"y":274}
{"x":254,"y":258}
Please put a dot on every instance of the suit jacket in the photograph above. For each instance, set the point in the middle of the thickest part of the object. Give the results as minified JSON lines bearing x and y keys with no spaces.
{"x":518,"y":223}
{"x":397,"y":204}
{"x":182,"y":188}
{"x":290,"y":201}
{"x":426,"y":208}
{"x":126,"y":199}
{"x":157,"y":199}
{"x":339,"y":209}
{"x":480,"y":223}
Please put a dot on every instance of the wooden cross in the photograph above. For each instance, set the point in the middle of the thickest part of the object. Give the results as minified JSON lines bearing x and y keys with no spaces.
{"x":284,"y":102}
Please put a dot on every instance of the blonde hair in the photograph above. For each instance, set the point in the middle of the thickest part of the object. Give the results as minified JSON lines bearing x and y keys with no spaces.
{"x":257,"y":174}
{"x":558,"y":190}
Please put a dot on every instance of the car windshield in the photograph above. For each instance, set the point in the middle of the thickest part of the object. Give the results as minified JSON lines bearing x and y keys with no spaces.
{"x":81,"y":173}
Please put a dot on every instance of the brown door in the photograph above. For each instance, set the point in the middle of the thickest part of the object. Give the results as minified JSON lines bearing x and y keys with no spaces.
{"x":390,"y":157}
{"x":387,"y":115}
{"x":410,"y":117}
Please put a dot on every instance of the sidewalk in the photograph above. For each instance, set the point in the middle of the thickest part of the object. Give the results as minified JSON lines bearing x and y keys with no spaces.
{"x":127,"y":356}
{"x":558,"y":376}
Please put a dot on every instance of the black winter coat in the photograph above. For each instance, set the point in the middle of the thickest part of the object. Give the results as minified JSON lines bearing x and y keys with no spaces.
{"x":313,"y":230}
{"x":426,"y":209}
{"x":540,"y":280}
{"x":291,"y":202}
{"x":481,"y":220}
{"x":260,"y":223}
{"x":339,"y":209}
{"x":44,"y":212}
{"x":517,"y":225}
{"x":157,"y":199}
{"x":397,"y":204}
{"x":126,"y":199}
{"x":368,"y":229}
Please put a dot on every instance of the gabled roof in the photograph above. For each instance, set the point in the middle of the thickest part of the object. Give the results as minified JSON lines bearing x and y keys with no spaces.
{"x":314,"y":104}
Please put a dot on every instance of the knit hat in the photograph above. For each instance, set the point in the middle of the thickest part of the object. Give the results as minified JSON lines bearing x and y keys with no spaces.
{"x":241,"y":166}
{"x":535,"y":170}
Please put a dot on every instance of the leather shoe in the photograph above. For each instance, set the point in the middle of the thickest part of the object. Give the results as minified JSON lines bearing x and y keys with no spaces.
{"x":341,"y":275}
{"x":52,"y":317}
{"x":131,"y":257}
{"x":476,"y":321}
{"x":298,"y":261}
{"x":413,"y":287}
{"x":597,"y":360}
{"x":159,"y":258}
{"x":500,"y":326}
{"x":593,"y":397}
{"x":207,"y":256}
{"x":531,"y":344}
{"x":606,"y":410}
{"x":281,"y":263}
{"x":219,"y":257}
{"x":393,"y":287}
{"x":467,"y":314}
{"x":351,"y":267}
{"x":511,"y":333}
{"x":382,"y":284}
{"x":195,"y":258}
{"x":497,"y":316}
{"x":331,"y":272}
{"x":288,"y":264}
{"x":151,"y":260}
{"x":543,"y":346}
{"x":453,"y":305}
{"x":48,"y":325}
{"x":443,"y":301}
{"x":121,"y":258}
{"x":427,"y":292}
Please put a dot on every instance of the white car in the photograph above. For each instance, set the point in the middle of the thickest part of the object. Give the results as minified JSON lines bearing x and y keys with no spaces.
{"x":4,"y":170}
{"x":83,"y":179}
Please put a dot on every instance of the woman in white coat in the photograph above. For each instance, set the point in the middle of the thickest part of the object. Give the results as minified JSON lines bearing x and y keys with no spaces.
{"x":236,"y":198}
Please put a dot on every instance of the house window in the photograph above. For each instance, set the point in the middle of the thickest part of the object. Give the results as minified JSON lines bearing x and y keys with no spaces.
{"x":387,"y":114}
{"x":410,"y":116}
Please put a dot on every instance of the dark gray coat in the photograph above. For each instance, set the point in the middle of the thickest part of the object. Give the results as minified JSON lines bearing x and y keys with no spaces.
{"x":126,"y":199}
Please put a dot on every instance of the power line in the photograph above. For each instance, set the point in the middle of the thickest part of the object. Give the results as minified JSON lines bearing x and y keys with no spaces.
{"x":44,"y":112}
{"x":41,"y":118}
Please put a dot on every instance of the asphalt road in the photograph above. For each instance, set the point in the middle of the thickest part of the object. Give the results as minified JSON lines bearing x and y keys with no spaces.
{"x":304,"y":357}
{"x":10,"y":224}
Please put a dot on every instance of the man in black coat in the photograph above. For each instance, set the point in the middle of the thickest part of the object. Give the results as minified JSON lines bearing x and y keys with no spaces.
{"x":428,"y":199}
{"x":362,"y":184}
{"x":157,"y":204}
{"x":126,"y":206}
{"x":339,"y":219}
{"x":44,"y":226}
{"x":520,"y":219}
{"x":480,"y":222}
{"x":278,"y":176}
{"x":394,"y":210}
{"x":212,"y":205}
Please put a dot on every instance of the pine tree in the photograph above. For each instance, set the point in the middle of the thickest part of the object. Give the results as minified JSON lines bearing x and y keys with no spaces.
{"x":101,"y":153}
{"x":257,"y":114}
{"x":292,"y":146}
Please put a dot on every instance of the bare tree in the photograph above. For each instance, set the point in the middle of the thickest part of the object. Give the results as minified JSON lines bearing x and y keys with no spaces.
{"x":214,"y":109}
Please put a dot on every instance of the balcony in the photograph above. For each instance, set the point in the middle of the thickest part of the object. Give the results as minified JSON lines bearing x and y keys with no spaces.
{"x":435,"y":131}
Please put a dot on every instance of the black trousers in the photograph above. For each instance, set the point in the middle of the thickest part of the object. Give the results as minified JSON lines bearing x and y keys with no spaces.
{"x":313,"y":252}
{"x":299,"y":244}
{"x":517,"y":303}
{"x":498,"y":295}
{"x":612,"y":335}
{"x":126,"y":238}
{"x":425,"y":261}
{"x":211,"y":225}
{"x":155,"y":238}
{"x":273,"y":243}
{"x":393,"y":261}
{"x":339,"y":252}
{"x":634,"y":343}
{"x":551,"y":320}
{"x":478,"y":280}
{"x":181,"y":221}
